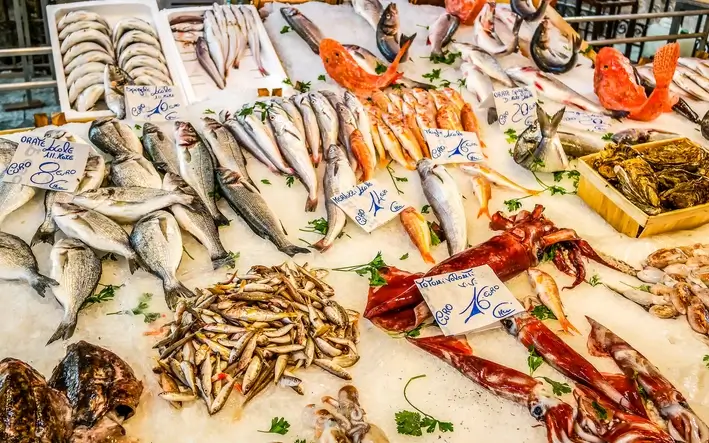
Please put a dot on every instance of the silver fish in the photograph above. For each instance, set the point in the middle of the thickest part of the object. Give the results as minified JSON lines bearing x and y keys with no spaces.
{"x":216,"y":42}
{"x":527,"y":10}
{"x":17,"y":263}
{"x":326,"y":115}
{"x":137,"y":49}
{"x":88,"y":99}
{"x":694,"y":64}
{"x":88,"y":57}
{"x":310,"y":126}
{"x":388,"y":40}
{"x":261,"y":134}
{"x":12,"y":197}
{"x":196,"y":168}
{"x":130,"y":24}
{"x":79,"y":16}
{"x":84,"y":83}
{"x":362,"y":119}
{"x":129,"y":204}
{"x":195,"y":219}
{"x":306,"y":29}
{"x":114,"y":81}
{"x":160,"y":148}
{"x":292,"y":146}
{"x":77,"y":26}
{"x":538,"y":148}
{"x":295,"y":116}
{"x":206,"y":61}
{"x":477,"y":82}
{"x":83,"y":70}
{"x":80,"y":49}
{"x":136,"y":36}
{"x":486,"y":37}
{"x":157,"y":240}
{"x":339,"y":177}
{"x":242,"y":31}
{"x":688,"y":85}
{"x":144,"y":61}
{"x":581,"y":143}
{"x":445,"y":199}
{"x":347,"y":125}
{"x":370,"y":10}
{"x":78,"y":271}
{"x":113,"y":137}
{"x":146,"y":71}
{"x":254,"y":39}
{"x":548,"y":59}
{"x":233,"y":38}
{"x":131,"y":170}
{"x":252,"y":208}
{"x":224,"y":147}
{"x":87,"y":35}
{"x":243,"y":137}
{"x":484,"y":61}
{"x":94,"y":229}
{"x":634,"y":136}
{"x":440,"y":34}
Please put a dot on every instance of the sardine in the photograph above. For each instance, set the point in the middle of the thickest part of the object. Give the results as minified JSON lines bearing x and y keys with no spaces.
{"x":243,"y":137}
{"x":254,"y":39}
{"x":84,"y":83}
{"x":388,"y":40}
{"x":205,"y":60}
{"x":79,"y":50}
{"x":196,"y":168}
{"x":224,"y":147}
{"x":78,"y":271}
{"x":418,"y":231}
{"x":94,"y":229}
{"x":261,"y":135}
{"x":370,"y":10}
{"x":445,"y":199}
{"x":135,"y":36}
{"x":339,"y":177}
{"x":538,"y":148}
{"x":311,"y":127}
{"x":88,"y":57}
{"x":134,"y":171}
{"x":80,"y":16}
{"x":12,"y":197}
{"x":129,"y":204}
{"x":306,"y":29}
{"x":17,"y":263}
{"x":114,"y":137}
{"x":160,"y":148}
{"x":157,"y":240}
{"x":327,"y":119}
{"x":114,"y":81}
{"x":252,"y":208}
{"x":440,"y":34}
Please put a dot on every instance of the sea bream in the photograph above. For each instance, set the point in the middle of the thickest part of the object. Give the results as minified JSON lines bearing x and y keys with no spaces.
{"x":339,"y":177}
{"x":129,"y":170}
{"x":129,"y":204}
{"x":18,"y":263}
{"x":114,"y":137}
{"x":160,"y":148}
{"x":12,"y":197}
{"x":538,"y":148}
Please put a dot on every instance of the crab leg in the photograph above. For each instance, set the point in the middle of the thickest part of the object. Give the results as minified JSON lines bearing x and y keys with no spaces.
{"x":684,"y":424}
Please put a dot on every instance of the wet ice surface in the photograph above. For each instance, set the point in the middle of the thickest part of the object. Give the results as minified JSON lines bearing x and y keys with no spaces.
{"x":27,"y":320}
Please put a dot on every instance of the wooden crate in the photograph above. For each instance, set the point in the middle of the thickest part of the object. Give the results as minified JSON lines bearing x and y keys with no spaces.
{"x":622,"y":214}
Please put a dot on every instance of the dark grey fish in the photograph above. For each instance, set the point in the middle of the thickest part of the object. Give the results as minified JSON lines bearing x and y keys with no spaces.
{"x":224,"y":147}
{"x":581,"y":143}
{"x":545,"y":59}
{"x":538,"y":148}
{"x":305,"y":28}
{"x":389,"y":41}
{"x":17,"y":263}
{"x":440,"y":33}
{"x":160,"y":148}
{"x":113,"y":137}
{"x":248,"y":203}
{"x":634,"y":136}
{"x":205,"y":60}
{"x":527,"y":10}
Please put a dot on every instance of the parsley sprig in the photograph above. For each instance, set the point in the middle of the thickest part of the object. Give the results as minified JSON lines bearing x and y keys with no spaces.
{"x":141,"y":309}
{"x":595,"y":280}
{"x":380,"y":68}
{"x":511,"y":135}
{"x":645,"y":288}
{"x":515,"y":203}
{"x":534,"y":360}
{"x":372,"y":268}
{"x":285,"y":29}
{"x":608,"y":136}
{"x":394,"y":178}
{"x":411,"y":423}
{"x":279,"y":425}
{"x":543,"y":313}
{"x":706,"y":361}
{"x":448,"y":57}
{"x":318,"y":225}
{"x":557,"y":388}
{"x":298,"y":86}
{"x":106,"y":294}
{"x":601,"y":412}
{"x":290,"y":179}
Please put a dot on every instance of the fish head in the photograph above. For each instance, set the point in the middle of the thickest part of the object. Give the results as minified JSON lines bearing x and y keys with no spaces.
{"x":151,"y":128}
{"x":116,"y":77}
{"x":172,"y":182}
{"x":425,"y":168}
{"x":487,"y":17}
{"x":389,"y":22}
{"x":334,"y":153}
{"x":185,"y":134}
{"x":612,"y":64}
{"x":67,"y":209}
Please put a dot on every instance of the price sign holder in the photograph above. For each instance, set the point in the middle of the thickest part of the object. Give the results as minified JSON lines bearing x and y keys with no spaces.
{"x":370,"y":204}
{"x":152,"y":103}
{"x":453,"y":146}
{"x":516,"y":108}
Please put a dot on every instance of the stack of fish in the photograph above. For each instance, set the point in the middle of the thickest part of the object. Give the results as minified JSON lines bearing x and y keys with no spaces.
{"x":89,"y":46}
{"x":691,"y":78}
{"x":255,"y":329}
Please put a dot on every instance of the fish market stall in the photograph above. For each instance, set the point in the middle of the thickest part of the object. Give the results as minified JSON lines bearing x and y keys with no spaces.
{"x":285,"y":323}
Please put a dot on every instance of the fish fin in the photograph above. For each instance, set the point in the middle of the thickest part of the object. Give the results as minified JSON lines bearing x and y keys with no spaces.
{"x":41,"y":283}
{"x":485,"y":211}
{"x":137,"y":263}
{"x":321,"y":246}
{"x":175,"y":292}
{"x":491,"y":115}
{"x":544,"y":121}
{"x":428,"y":258}
{"x":311,"y":204}
{"x":568,"y":327}
{"x":223,"y":260}
{"x":66,"y":328}
{"x":391,"y":74}
{"x":220,"y":219}
{"x":557,"y":118}
{"x":664,"y":64}
{"x":291,"y":250}
{"x":619,"y":115}
{"x":42,"y":237}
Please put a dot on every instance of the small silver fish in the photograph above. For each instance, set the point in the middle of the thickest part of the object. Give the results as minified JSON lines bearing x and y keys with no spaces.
{"x":17,"y":263}
{"x":160,"y":148}
{"x":370,"y":10}
{"x":305,"y":28}
{"x":129,"y":204}
{"x":205,"y":60}
{"x":310,"y":126}
{"x":254,"y":39}
{"x":440,"y":33}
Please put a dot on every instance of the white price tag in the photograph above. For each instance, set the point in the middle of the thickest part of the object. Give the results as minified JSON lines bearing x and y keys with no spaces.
{"x":152,"y":103}
{"x":370,"y":204}
{"x":516,"y":108}
{"x":452,"y":146}
{"x":587,"y":121}
{"x":47,"y":163}
{"x":468,"y":300}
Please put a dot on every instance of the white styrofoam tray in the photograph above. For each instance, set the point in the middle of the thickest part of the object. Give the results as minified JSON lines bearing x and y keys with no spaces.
{"x":242,"y":83}
{"x":112,"y":11}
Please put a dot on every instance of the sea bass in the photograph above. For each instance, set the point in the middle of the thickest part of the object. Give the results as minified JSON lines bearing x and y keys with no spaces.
{"x":129,"y":204}
{"x":311,"y":127}
{"x":17,"y":263}
{"x":160,"y":148}
{"x":440,"y":34}
{"x":224,"y":147}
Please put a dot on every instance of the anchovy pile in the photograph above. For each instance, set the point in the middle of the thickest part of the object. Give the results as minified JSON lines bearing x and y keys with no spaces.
{"x":98,"y":61}
{"x":254,"y":330}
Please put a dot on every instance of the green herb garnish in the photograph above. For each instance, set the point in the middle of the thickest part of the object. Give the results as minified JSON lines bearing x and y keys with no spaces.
{"x":288,"y":82}
{"x":106,"y":294}
{"x":208,"y":111}
{"x":279,"y":425}
{"x":706,"y":361}
{"x":141,"y":309}
{"x":380,"y":68}
{"x":534,"y":360}
{"x":321,"y":77}
{"x":513,"y":204}
{"x":265,"y":181}
{"x":543,"y":313}
{"x":448,"y":57}
{"x":595,"y":280}
{"x":411,"y":423}
{"x":433,"y":75}
{"x":372,"y":268}
{"x":425,"y":209}
{"x":235,"y":256}
{"x":290,"y":180}
{"x":435,"y":240}
{"x":645,"y":288}
{"x":557,"y":388}
{"x":511,"y":135}
{"x":600,"y":411}
{"x":608,"y":136}
{"x":318,"y":225}
{"x":404,"y":257}
{"x":302,"y":86}
{"x":138,"y":127}
{"x":285,"y":29}
{"x":395,"y":178}
{"x":462,"y":83}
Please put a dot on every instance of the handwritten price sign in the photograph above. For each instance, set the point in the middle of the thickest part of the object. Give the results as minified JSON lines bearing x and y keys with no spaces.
{"x":587,"y":121}
{"x":47,"y":163}
{"x":516,"y":108}
{"x":152,"y":103}
{"x":451,"y":146}
{"x":370,"y":204}
{"x":468,"y":300}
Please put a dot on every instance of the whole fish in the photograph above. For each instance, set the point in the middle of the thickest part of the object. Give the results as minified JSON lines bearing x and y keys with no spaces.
{"x":87,"y":35}
{"x":417,"y":228}
{"x":114,"y":81}
{"x":78,"y":271}
{"x":484,"y":62}
{"x":252,"y":208}
{"x":254,"y":39}
{"x":545,"y":58}
{"x":94,"y":229}
{"x":538,"y":148}
{"x":237,"y":38}
{"x":83,"y":84}
{"x":243,"y":137}
{"x":311,"y":127}
{"x":88,"y":68}
{"x":128,"y":24}
{"x":17,"y":263}
{"x":483,"y":191}
{"x":581,"y":143}
{"x":133,"y":170}
{"x":373,"y":65}
{"x":157,"y":240}
{"x":557,"y":91}
{"x":305,"y":28}
{"x":388,"y":139}
{"x":694,"y":64}
{"x":293,"y":112}
{"x":155,"y":74}
{"x":527,"y":10}
{"x":137,"y":49}
{"x":113,"y":137}
{"x":205,"y":60}
{"x":224,"y":146}
{"x":80,"y":16}
{"x":81,"y":49}
{"x":148,"y":62}
{"x":347,"y":125}
{"x":404,"y":135}
{"x":688,"y":85}
{"x":445,"y":199}
{"x":634,"y":136}
{"x":195,"y":219}
{"x":495,"y":177}
{"x":243,"y":32}
{"x":88,"y":57}
{"x":72,"y":28}
{"x":136,"y":36}
{"x":486,"y":37}
{"x":196,"y":168}
{"x":292,"y":146}
{"x":261,"y":134}
{"x":129,"y":204}
{"x":232,"y":37}
{"x":339,"y":177}
{"x":12,"y":197}
{"x":548,"y":293}
{"x":327,"y":119}
{"x":160,"y":148}
{"x":440,"y":34}
{"x":88,"y":99}
{"x":366,"y":157}
{"x":388,"y":40}
{"x":370,"y":10}
{"x":362,"y":119}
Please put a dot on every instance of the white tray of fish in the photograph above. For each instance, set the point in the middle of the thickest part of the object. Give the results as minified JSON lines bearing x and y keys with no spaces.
{"x":86,"y":36}
{"x":239,"y":62}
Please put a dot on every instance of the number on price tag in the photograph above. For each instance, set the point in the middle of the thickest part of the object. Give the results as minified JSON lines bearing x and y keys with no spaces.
{"x":47,"y":163}
{"x":152,"y":103}
{"x":468,"y":300}
{"x":516,"y":108}
{"x":587,"y":121}
{"x":452,"y":146}
{"x":370,"y":204}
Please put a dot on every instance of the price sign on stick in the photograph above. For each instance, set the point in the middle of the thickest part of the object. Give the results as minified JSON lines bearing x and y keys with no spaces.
{"x":516,"y":108}
{"x":467,"y":300}
{"x":152,"y":103}
{"x":370,"y":204}
{"x":452,"y":146}
{"x":47,"y":163}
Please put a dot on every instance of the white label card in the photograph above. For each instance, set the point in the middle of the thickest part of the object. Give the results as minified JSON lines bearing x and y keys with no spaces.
{"x":47,"y":163}
{"x":516,"y":108}
{"x":587,"y":121}
{"x":452,"y":146}
{"x":370,"y":204}
{"x":467,"y":300}
{"x":152,"y":103}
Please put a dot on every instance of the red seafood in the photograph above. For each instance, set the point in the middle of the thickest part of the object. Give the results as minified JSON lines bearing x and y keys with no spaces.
{"x":683,"y":423}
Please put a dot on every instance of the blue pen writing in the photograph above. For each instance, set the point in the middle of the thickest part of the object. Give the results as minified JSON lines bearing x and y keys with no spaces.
{"x":377,"y":200}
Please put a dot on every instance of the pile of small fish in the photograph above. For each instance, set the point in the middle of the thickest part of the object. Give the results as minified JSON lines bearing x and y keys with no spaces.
{"x":673,"y":282}
{"x":691,"y":78}
{"x":255,"y":329}
{"x":92,"y":54}
{"x":221,"y":37}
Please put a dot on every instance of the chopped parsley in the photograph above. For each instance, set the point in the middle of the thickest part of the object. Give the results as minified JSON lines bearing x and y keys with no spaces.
{"x":265,"y":181}
{"x":318,"y":225}
{"x":557,"y":388}
{"x":608,"y":136}
{"x":141,"y":309}
{"x":511,"y":135}
{"x":595,"y":280}
{"x":513,"y":204}
{"x":404,"y":257}
{"x":290,"y":180}
{"x":106,"y":294}
{"x":425,"y":209}
{"x":380,"y":68}
{"x":433,"y":75}
{"x":208,"y":111}
{"x":448,"y":57}
{"x":321,"y":77}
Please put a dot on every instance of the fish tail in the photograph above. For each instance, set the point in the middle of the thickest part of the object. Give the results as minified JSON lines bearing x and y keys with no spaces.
{"x":220,"y":219}
{"x":174,"y":292}
{"x":291,"y":250}
{"x":42,"y":237}
{"x":311,"y":204}
{"x":427,"y":257}
{"x":491,"y":115}
{"x":66,"y":328}
{"x":263,"y":71}
{"x":322,"y":245}
{"x":41,"y":283}
{"x":664,"y":64}
{"x":225,"y":259}
{"x":567,"y":326}
{"x":391,"y":75}
{"x":485,"y":211}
